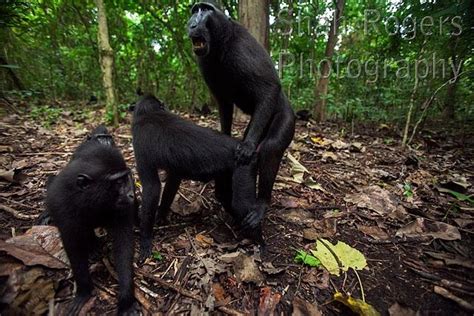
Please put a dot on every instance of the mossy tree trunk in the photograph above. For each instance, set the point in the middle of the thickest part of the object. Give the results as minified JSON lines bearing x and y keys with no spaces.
{"x":106,"y":58}
{"x":321,"y":90}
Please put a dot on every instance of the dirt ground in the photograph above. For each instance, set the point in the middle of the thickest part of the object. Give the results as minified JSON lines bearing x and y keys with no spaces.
{"x":395,"y":206}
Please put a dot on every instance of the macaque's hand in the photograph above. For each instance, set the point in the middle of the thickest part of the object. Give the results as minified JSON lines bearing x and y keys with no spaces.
{"x":245,"y":151}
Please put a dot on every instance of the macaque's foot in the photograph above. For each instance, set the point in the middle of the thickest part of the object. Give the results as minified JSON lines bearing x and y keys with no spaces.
{"x":77,"y":304}
{"x":162,"y":216}
{"x":145,"y":249}
{"x":255,"y":235}
{"x":130,"y":309}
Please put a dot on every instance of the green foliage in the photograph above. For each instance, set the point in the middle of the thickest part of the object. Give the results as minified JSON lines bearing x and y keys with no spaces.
{"x":157,"y":256}
{"x":459,"y":196}
{"x":307,"y":259}
{"x":122,"y":109}
{"x":407,"y":190}
{"x":46,"y":115}
{"x":52,"y":47}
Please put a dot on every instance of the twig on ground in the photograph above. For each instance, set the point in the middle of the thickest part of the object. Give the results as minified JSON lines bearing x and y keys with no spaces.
{"x":169,"y":267}
{"x":446,"y":294}
{"x":198,"y":193}
{"x":171,"y":286}
{"x":45,"y":153}
{"x":9,"y":200}
{"x":184,"y":197}
{"x":230,"y":228}
{"x":361,"y":286}
{"x":299,"y":279}
{"x":17,"y":214}
{"x":230,"y":311}
{"x":446,"y":283}
{"x":195,"y":250}
{"x":101,"y":287}
{"x":174,"y":225}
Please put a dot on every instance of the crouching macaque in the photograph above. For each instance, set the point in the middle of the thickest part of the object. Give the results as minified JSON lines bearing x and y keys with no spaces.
{"x":95,"y":189}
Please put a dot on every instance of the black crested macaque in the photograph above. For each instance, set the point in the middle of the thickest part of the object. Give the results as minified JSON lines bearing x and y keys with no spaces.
{"x":304,"y":115}
{"x":92,"y":100}
{"x":204,"y":110}
{"x":100,"y":135}
{"x":95,"y":189}
{"x":238,"y":70}
{"x":164,"y":141}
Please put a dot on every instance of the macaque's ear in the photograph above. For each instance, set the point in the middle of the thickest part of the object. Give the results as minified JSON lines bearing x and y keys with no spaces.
{"x":83,"y":181}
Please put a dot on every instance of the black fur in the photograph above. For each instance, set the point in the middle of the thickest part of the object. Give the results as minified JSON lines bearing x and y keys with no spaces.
{"x":303,"y":115}
{"x":238,"y":70}
{"x":94,"y":190}
{"x":204,"y":110}
{"x":92,"y":100}
{"x":164,"y":141}
{"x":99,"y":135}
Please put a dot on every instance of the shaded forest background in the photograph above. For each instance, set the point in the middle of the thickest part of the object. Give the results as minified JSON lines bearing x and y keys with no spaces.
{"x":391,"y":60}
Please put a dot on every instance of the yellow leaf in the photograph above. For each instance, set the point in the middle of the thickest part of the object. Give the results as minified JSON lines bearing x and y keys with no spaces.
{"x":348,"y":257}
{"x":356,"y":305}
{"x":310,"y":183}
{"x":317,"y":140}
{"x":326,"y":257}
{"x":297,"y":169}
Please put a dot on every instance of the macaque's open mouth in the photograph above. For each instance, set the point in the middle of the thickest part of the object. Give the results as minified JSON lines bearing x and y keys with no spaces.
{"x":199,"y":44}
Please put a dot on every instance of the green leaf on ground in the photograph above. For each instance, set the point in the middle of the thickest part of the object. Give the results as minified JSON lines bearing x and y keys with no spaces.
{"x":305,"y":258}
{"x":459,"y":196}
{"x":408,"y":190}
{"x":157,"y":255}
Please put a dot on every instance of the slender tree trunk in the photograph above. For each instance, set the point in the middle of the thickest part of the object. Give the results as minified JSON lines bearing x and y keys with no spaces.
{"x":253,"y":14}
{"x":412,"y":101}
{"x":106,"y":57}
{"x":410,"y":111}
{"x":285,"y":39}
{"x":321,"y":90}
{"x":450,"y":101}
{"x":16,"y":81}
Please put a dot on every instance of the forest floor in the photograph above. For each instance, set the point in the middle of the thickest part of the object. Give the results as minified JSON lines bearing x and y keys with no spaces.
{"x":409,"y":212}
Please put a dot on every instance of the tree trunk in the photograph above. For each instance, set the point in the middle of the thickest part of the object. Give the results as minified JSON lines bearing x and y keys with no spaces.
{"x":106,"y":58}
{"x":16,"y":81}
{"x":321,"y":90}
{"x":285,"y":39}
{"x":253,"y":14}
{"x":450,"y":101}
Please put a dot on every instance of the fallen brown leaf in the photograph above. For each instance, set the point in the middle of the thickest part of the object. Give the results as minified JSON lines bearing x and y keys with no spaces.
{"x":39,"y":245}
{"x":304,"y":308}
{"x":246,"y":270}
{"x":422,"y":228}
{"x":268,"y":301}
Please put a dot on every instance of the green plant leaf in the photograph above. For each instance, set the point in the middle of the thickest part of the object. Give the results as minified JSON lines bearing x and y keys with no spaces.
{"x":305,"y":258}
{"x":157,"y":255}
{"x":459,"y":196}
